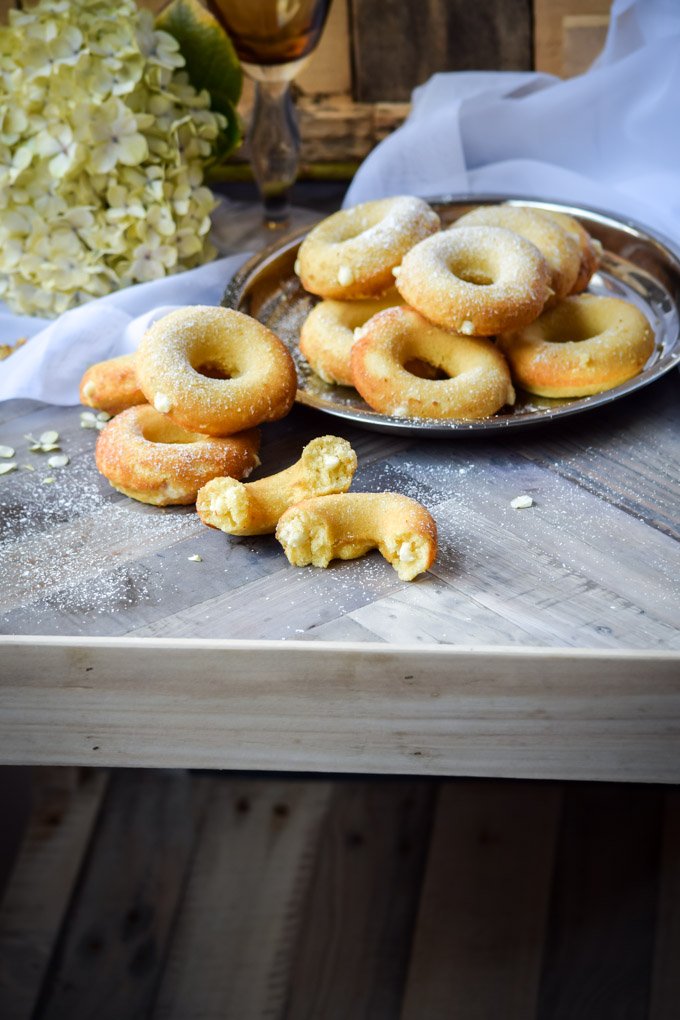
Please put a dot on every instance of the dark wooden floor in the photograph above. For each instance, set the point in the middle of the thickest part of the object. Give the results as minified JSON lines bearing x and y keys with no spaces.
{"x":181,"y":895}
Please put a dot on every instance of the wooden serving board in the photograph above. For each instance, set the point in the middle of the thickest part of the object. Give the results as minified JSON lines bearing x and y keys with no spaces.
{"x":543,"y":643}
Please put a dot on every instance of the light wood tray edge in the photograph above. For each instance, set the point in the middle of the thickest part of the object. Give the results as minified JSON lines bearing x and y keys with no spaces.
{"x":557,"y":713}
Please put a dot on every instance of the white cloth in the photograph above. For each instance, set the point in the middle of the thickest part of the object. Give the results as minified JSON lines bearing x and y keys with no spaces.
{"x":608,"y":138}
{"x":51,"y":366}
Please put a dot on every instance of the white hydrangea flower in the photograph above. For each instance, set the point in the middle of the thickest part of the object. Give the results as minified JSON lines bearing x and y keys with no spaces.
{"x":102,"y":145}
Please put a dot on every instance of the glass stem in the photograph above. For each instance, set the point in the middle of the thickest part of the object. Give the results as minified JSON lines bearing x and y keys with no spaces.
{"x":274,"y":142}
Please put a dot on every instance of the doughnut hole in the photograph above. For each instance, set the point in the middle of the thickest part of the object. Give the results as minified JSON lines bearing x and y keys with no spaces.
{"x":478,"y":268}
{"x":422,"y":369}
{"x":211,"y":370}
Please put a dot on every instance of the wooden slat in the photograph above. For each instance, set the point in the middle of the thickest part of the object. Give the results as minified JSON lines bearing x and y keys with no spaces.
{"x":665,"y":995}
{"x":356,"y":936}
{"x":549,"y":29}
{"x":114,"y":944}
{"x":527,"y":713}
{"x":479,"y":937}
{"x":600,"y":944}
{"x":66,"y":805}
{"x":236,"y":931}
{"x":398,"y":46}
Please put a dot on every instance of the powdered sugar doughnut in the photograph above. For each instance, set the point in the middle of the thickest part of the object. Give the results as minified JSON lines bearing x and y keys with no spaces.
{"x":352,"y":253}
{"x":328,"y":331}
{"x":584,"y":345}
{"x":111,"y":385}
{"x":589,"y":248}
{"x":559,"y":249}
{"x":476,"y":380}
{"x":147,"y":456}
{"x":327,"y":465}
{"x":319,"y":530}
{"x":215,"y":370}
{"x":477,"y":281}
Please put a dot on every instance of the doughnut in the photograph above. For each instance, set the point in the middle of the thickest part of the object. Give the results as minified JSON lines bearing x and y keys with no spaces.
{"x":559,"y":248}
{"x":111,"y":385}
{"x":475,"y":280}
{"x":327,"y":465}
{"x":590,"y":249}
{"x":328,"y":334}
{"x":147,"y":456}
{"x":324,"y":528}
{"x":584,"y":345}
{"x":352,"y":253}
{"x":215,"y":370}
{"x":474,"y":380}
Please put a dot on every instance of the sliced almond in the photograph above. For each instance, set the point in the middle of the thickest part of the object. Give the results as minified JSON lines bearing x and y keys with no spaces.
{"x":6,"y":451}
{"x":48,"y":438}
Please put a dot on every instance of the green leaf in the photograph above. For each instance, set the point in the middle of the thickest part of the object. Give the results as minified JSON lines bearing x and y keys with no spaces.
{"x":229,"y":138}
{"x":211,"y":60}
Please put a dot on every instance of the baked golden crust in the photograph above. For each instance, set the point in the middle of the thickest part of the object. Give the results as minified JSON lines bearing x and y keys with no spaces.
{"x":351,"y":254}
{"x":590,"y":250}
{"x":215,"y":370}
{"x":477,"y":281}
{"x":327,"y":334}
{"x":319,"y":530}
{"x":559,"y":248}
{"x":584,"y":345}
{"x":145,"y":455}
{"x":327,"y":465}
{"x":112,"y":385}
{"x":477,"y":379}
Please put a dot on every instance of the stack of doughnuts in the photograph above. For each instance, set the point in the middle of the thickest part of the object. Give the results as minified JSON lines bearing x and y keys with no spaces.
{"x":495,"y":300}
{"x":187,"y":406}
{"x":188,"y":403}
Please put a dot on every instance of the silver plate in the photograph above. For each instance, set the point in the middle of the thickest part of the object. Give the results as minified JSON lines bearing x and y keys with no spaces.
{"x":638,"y":265}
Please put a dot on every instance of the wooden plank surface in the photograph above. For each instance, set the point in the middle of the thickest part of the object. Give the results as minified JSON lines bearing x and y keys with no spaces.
{"x":122,"y":915}
{"x":66,"y":804}
{"x":355,"y":943}
{"x":483,"y":914}
{"x":600,"y":943}
{"x":245,"y":894}
{"x":594,"y":562}
{"x":398,"y":46}
{"x":665,"y":985}
{"x":321,"y":706}
{"x":332,"y":897}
